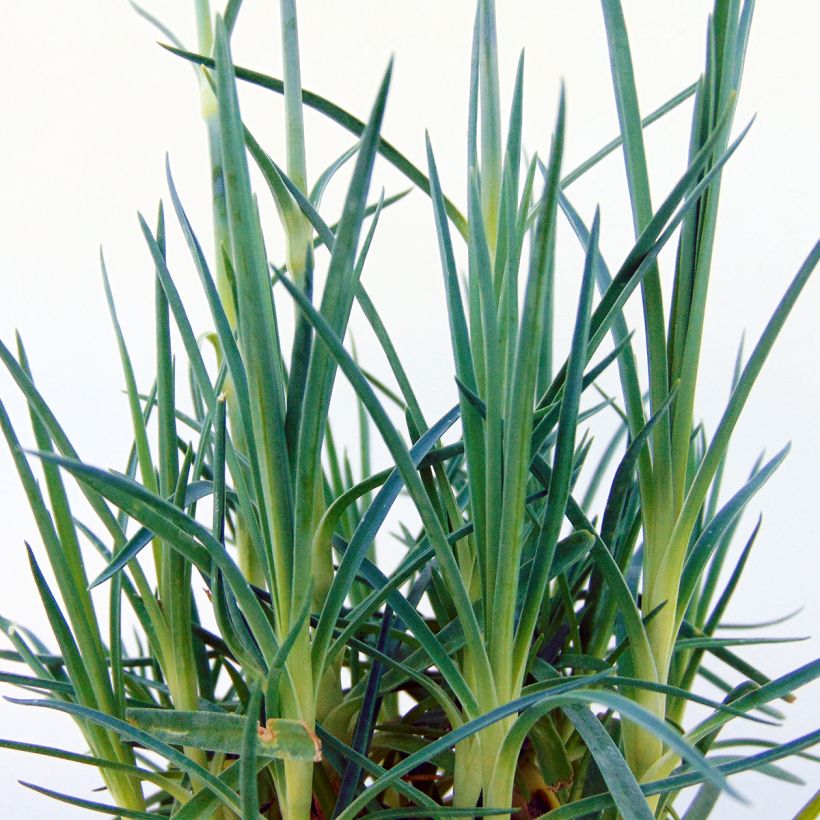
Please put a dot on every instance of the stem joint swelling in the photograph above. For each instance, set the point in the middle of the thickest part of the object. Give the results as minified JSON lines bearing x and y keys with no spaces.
{"x":503,"y":609}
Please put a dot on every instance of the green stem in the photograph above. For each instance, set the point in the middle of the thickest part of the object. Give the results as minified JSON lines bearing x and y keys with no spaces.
{"x":298,"y":702}
{"x":466,"y":786}
{"x":490,"y":121}
{"x":497,"y":775}
{"x":300,"y":237}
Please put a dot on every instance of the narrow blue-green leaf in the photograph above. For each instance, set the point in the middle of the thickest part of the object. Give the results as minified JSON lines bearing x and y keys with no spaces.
{"x":177,"y":528}
{"x":720,"y":440}
{"x":218,"y":467}
{"x":258,"y":330}
{"x":232,"y":13}
{"x":623,"y":80}
{"x":363,"y":732}
{"x":491,"y":385}
{"x":142,"y":537}
{"x":294,"y":115}
{"x":168,"y":462}
{"x":225,"y":732}
{"x":90,"y":805}
{"x":519,"y":411}
{"x":369,"y":525}
{"x":46,"y":684}
{"x":671,"y":104}
{"x":489,"y":119}
{"x":512,"y":154}
{"x":712,"y":575}
{"x":78,"y":673}
{"x":708,"y":642}
{"x":233,"y":629}
{"x":225,"y":334}
{"x":561,"y":479}
{"x":680,"y":781}
{"x":177,"y":758}
{"x":716,"y":615}
{"x":392,"y":356}
{"x":406,"y":467}
{"x":157,"y":24}
{"x":627,"y":368}
{"x":336,"y":304}
{"x":115,"y":650}
{"x":348,"y":121}
{"x":732,"y":660}
{"x":622,"y":479}
{"x":638,"y":641}
{"x":677,"y":691}
{"x":778,"y":688}
{"x":552,"y":695}
{"x":143,"y":449}
{"x":473,"y":432}
{"x":248,"y":787}
{"x":629,"y":118}
{"x":99,"y":762}
{"x":707,"y":542}
{"x":649,"y":244}
{"x":622,"y":785}
{"x":318,"y":189}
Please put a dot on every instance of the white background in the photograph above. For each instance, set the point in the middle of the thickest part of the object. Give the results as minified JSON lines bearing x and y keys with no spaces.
{"x":91,"y":105}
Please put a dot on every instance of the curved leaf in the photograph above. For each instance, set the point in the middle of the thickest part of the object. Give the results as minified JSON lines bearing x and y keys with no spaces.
{"x":223,"y":732}
{"x":194,"y":770}
{"x":90,"y":805}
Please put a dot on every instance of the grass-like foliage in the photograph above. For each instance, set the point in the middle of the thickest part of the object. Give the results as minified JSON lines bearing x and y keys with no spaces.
{"x":535,"y":649}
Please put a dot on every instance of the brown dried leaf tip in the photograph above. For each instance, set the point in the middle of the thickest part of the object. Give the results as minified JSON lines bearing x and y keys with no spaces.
{"x":317,"y":744}
{"x":268,"y":732}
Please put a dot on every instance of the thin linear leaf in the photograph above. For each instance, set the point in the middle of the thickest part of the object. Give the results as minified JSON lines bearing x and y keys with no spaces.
{"x":226,"y":795}
{"x":348,"y":121}
{"x":223,"y":732}
{"x":90,"y":805}
{"x":621,"y":782}
{"x":177,"y":528}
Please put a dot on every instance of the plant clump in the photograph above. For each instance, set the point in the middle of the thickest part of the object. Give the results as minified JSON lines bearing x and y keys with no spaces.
{"x":535,"y":648}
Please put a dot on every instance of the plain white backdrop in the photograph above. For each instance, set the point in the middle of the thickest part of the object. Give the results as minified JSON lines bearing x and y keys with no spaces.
{"x":91,"y":105}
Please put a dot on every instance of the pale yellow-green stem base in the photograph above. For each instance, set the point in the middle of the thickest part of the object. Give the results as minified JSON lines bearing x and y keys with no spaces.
{"x":248,"y":560}
{"x":299,"y":240}
{"x":297,"y":698}
{"x":497,"y":778}
{"x":298,"y":790}
{"x":126,"y":795}
{"x":340,"y":720}
{"x":329,"y":694}
{"x":642,"y":748}
{"x":466,"y":786}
